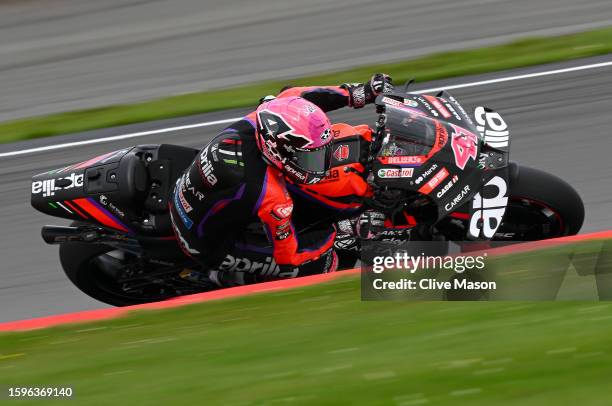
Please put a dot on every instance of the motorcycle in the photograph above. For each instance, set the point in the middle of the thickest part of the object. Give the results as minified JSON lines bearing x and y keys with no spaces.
{"x":436,"y":172}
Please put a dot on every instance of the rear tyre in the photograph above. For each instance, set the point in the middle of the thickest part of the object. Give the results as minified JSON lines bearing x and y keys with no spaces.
{"x":541,"y":206}
{"x":96,"y":268}
{"x":84,"y":264}
{"x":79,"y":263}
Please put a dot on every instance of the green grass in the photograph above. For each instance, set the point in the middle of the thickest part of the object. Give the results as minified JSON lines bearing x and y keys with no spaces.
{"x":321,"y":345}
{"x":521,"y":53}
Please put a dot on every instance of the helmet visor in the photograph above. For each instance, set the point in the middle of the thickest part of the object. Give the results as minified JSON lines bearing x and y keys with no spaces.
{"x":316,"y":161}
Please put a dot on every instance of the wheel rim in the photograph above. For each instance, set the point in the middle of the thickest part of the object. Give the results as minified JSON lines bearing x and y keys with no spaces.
{"x":530,"y":220}
{"x":104,"y":270}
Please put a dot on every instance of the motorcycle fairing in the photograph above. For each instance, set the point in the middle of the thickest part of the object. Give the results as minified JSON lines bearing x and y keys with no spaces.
{"x":488,"y":206}
{"x":125,"y":190}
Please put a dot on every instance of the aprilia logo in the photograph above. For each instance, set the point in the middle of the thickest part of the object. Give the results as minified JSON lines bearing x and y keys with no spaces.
{"x":206,"y":168}
{"x":489,"y":212}
{"x":48,"y":188}
{"x":492,"y":127}
{"x":266,"y":268}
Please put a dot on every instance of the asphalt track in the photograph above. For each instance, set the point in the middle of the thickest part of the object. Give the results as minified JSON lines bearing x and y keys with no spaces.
{"x":559,"y":123}
{"x":59,"y":55}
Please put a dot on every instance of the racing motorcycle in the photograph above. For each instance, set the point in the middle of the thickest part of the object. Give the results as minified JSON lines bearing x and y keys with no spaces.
{"x":434,"y":171}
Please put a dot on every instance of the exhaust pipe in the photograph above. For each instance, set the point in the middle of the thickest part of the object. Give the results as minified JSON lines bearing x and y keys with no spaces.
{"x":60,"y":234}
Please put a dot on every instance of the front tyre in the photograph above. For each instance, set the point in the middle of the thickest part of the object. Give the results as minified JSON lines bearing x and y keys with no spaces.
{"x":541,"y":206}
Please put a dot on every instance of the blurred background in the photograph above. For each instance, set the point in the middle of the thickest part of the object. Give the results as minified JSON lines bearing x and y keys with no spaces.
{"x":63,"y":55}
{"x":320,"y":343}
{"x":60,"y":55}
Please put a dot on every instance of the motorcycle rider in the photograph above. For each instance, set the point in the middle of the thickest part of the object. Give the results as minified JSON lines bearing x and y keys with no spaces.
{"x":239,"y":178}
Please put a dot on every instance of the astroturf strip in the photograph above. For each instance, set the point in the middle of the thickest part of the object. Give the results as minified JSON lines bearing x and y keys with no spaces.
{"x":322,"y":345}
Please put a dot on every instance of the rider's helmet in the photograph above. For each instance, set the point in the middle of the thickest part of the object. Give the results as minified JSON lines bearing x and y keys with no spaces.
{"x":294,"y":135}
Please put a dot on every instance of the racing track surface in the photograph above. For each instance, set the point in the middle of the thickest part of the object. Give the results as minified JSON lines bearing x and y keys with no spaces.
{"x":559,"y":123}
{"x":59,"y":55}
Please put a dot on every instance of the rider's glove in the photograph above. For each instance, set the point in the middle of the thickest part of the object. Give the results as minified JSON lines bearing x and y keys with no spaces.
{"x":361,"y":94}
{"x":369,"y":224}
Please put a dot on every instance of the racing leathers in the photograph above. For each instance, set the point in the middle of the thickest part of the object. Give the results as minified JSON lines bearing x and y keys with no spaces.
{"x":229,"y":190}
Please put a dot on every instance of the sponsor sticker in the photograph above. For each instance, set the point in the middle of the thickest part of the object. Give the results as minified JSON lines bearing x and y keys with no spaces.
{"x":393,"y":102}
{"x":489,"y":212}
{"x":295,"y":172}
{"x":426,"y":174}
{"x":181,"y":212}
{"x":206,"y":168}
{"x":415,"y":160}
{"x":342,"y":152}
{"x":104,"y":201}
{"x":266,"y":268}
{"x":447,"y":187}
{"x":394,"y":173}
{"x":325,"y":135}
{"x":48,"y":187}
{"x":439,"y":106}
{"x":282,"y":211}
{"x":411,"y":103}
{"x":184,"y":202}
{"x":434,"y":181}
{"x":492,"y":127}
{"x":464,"y":145}
{"x":457,"y":199}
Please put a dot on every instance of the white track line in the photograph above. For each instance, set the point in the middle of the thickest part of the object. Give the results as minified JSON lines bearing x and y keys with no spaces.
{"x":231,"y":120}
{"x":519,"y":77}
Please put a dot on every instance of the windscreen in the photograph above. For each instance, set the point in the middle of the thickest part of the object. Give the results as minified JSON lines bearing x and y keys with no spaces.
{"x":407,"y":134}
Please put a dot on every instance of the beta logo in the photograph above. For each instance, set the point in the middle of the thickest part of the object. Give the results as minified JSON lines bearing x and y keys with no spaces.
{"x":342,"y":152}
{"x":392,"y":173}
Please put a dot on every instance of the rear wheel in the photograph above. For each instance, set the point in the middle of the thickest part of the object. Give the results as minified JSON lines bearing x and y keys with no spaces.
{"x":541,"y":206}
{"x":96,"y":270}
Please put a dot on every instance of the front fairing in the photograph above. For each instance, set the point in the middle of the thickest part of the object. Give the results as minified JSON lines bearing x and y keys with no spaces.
{"x":459,"y":167}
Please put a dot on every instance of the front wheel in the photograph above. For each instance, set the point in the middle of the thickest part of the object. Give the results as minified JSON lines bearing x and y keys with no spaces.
{"x":540,"y":206}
